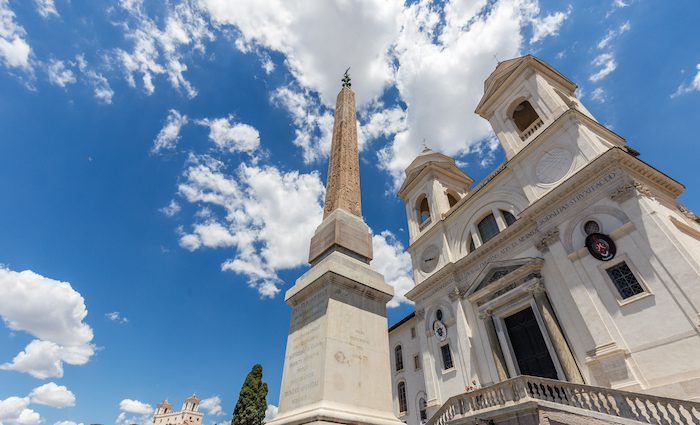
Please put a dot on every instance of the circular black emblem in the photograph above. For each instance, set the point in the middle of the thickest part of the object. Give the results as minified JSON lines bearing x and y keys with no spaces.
{"x":601,"y":246}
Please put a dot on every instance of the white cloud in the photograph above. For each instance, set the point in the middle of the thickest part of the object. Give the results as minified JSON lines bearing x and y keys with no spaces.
{"x":115,"y":316}
{"x":51,"y":311}
{"x":315,"y":38}
{"x":268,"y":215}
{"x":614,"y":33}
{"x":598,"y":94}
{"x":171,"y":209}
{"x":270,"y":412}
{"x":606,"y":63}
{"x":14,"y":411}
{"x":160,"y":50}
{"x":15,"y":52}
{"x":212,"y":405}
{"x":231,"y":136}
{"x":101,"y":88}
{"x":169,"y":135}
{"x":67,"y":423}
{"x":391,"y":260}
{"x":59,"y":74}
{"x":543,"y":27}
{"x":45,"y":8}
{"x":52,"y":395}
{"x":134,"y":406}
{"x":694,"y":85}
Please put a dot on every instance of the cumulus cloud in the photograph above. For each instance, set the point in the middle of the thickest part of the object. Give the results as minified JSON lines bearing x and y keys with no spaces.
{"x":51,"y":311}
{"x":266,"y":214}
{"x":232,"y":136}
{"x":606,"y":64}
{"x":270,"y":412}
{"x":598,"y":94}
{"x":169,"y":135}
{"x":115,"y":316}
{"x":59,"y":74}
{"x":67,"y":423}
{"x":614,"y":33}
{"x":694,"y":85}
{"x":134,"y":406}
{"x":161,"y":49}
{"x":46,"y":8}
{"x":52,"y":395}
{"x":212,"y":405}
{"x":391,"y":260}
{"x":545,"y":26}
{"x":15,"y":52}
{"x":314,"y":37}
{"x":14,"y":411}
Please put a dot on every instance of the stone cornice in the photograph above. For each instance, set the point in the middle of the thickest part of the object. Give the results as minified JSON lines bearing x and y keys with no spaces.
{"x":425,"y":171}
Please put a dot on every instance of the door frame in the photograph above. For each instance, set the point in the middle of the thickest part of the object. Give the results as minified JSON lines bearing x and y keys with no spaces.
{"x":499,"y":316}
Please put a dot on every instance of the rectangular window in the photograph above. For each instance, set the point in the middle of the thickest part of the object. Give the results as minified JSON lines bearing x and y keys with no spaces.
{"x":446,"y":357}
{"x":416,"y":362}
{"x":624,"y":280}
{"x":413,"y":332}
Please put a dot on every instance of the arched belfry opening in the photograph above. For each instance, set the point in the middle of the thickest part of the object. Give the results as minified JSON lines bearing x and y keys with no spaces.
{"x":452,"y":199}
{"x":423,"y":209}
{"x":524,"y":116}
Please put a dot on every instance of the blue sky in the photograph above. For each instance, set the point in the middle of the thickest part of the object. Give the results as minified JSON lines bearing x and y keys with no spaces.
{"x":162,"y":166}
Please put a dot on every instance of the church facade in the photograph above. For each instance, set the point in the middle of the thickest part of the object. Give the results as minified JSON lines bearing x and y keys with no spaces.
{"x":189,"y":414}
{"x":573,"y":260}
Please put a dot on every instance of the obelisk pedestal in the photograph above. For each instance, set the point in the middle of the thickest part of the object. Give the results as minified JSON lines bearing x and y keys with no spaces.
{"x":336,"y":367}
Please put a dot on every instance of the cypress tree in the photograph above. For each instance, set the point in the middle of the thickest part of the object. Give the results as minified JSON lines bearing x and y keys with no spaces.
{"x":252,"y":402}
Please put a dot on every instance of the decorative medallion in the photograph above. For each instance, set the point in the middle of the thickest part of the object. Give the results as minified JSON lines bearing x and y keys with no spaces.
{"x":601,"y":246}
{"x":440,"y":330}
{"x":553,"y":165}
{"x":429,"y":259}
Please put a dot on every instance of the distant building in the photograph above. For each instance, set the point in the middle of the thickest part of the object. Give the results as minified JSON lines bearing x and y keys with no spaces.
{"x":188,"y":415}
{"x":573,"y":263}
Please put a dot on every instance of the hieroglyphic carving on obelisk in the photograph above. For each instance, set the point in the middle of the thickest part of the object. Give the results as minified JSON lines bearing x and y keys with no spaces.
{"x":343,"y":185}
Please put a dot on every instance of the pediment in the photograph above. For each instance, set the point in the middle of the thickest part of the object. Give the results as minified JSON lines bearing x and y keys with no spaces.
{"x":501,"y":273}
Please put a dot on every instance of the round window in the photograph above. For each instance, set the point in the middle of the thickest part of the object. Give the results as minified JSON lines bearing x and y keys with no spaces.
{"x":438,"y":314}
{"x":591,"y":227}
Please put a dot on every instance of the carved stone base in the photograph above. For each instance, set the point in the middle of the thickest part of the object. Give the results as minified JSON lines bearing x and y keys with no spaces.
{"x":336,"y":366}
{"x":343,"y":232}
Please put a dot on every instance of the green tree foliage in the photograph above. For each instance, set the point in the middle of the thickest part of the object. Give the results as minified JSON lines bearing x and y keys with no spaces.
{"x":252,"y":402}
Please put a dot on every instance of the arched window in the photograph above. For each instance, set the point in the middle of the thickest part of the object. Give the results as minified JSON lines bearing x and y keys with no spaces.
{"x":398,"y":355}
{"x":423,"y":210}
{"x":403,"y":404}
{"x":591,"y":227}
{"x":423,"y":410}
{"x":452,"y":199}
{"x":488,"y":228}
{"x":524,"y":116}
{"x":508,"y":217}
{"x":472,"y":247}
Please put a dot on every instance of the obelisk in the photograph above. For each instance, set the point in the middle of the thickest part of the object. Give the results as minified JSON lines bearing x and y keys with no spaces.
{"x":336,"y":367}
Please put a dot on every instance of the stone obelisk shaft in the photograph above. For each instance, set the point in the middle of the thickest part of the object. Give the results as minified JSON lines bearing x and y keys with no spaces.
{"x":342,"y":228}
{"x":343,"y":185}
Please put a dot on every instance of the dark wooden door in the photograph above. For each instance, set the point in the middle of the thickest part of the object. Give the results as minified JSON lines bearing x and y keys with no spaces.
{"x":528,"y":345}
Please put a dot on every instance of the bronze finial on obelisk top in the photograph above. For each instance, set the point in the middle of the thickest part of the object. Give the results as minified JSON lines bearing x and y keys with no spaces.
{"x":342,"y":228}
{"x":343,"y":184}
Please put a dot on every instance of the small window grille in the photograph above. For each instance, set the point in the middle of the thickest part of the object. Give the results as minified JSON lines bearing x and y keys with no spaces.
{"x":438,"y":314}
{"x":446,"y":357}
{"x":591,"y":227}
{"x":413,"y":333}
{"x":488,"y":228}
{"x":403,"y":404}
{"x":624,"y":280}
{"x":416,"y":362}
{"x":423,"y":406}
{"x":399,"y":358}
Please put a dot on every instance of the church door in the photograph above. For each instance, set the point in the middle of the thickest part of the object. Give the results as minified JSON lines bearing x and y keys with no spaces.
{"x":529,"y":347}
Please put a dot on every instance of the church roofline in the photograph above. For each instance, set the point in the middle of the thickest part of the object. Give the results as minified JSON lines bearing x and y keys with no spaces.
{"x":408,"y":317}
{"x":507,"y":71}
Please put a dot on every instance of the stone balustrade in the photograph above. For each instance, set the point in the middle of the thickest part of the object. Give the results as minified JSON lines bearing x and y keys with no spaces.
{"x":644,"y":408}
{"x":525,"y":134}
